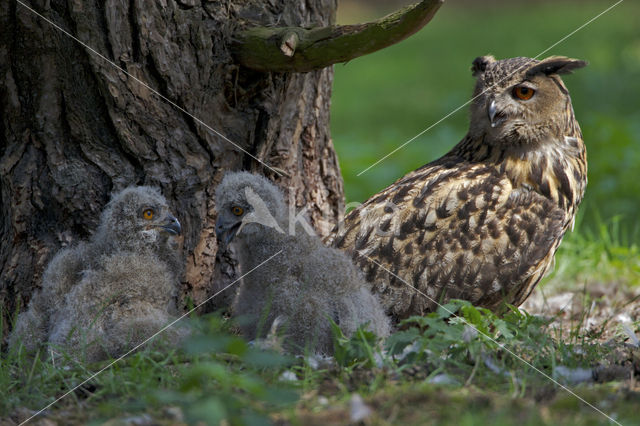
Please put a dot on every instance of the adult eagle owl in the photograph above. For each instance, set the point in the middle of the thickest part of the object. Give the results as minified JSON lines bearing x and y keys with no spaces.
{"x":483,"y":222}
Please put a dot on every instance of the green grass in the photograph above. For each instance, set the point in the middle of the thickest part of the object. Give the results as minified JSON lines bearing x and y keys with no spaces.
{"x":604,"y":252}
{"x":217,"y":377}
{"x":214,"y":376}
{"x":382,"y":100}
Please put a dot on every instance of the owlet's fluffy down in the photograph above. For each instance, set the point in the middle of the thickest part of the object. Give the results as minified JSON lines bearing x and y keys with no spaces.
{"x":290,"y":277}
{"x":101,"y":298}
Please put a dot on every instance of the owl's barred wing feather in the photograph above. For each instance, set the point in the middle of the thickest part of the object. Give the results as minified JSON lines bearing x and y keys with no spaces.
{"x":453,"y":231}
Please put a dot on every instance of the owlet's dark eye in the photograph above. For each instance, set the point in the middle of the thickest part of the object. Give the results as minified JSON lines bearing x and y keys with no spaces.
{"x":237,"y":210}
{"x":523,"y":93}
{"x":148,"y":214}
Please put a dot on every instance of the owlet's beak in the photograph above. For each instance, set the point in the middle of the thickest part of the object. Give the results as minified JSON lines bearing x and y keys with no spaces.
{"x":172,"y":226}
{"x":227,"y":230}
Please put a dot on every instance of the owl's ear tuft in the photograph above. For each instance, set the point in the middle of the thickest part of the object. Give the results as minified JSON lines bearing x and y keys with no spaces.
{"x":479,"y":64}
{"x":556,"y":65}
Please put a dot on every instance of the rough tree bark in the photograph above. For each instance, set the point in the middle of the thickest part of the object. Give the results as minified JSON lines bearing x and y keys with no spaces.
{"x":74,"y":128}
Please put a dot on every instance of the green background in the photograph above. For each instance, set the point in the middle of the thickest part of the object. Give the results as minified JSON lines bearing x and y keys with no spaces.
{"x":384,"y":99}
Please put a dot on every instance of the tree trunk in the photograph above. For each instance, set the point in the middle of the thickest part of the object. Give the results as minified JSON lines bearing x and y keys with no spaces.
{"x":74,"y":128}
{"x":97,"y":96}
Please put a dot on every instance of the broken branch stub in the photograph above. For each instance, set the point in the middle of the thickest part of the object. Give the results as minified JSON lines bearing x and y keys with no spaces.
{"x":293,"y":49}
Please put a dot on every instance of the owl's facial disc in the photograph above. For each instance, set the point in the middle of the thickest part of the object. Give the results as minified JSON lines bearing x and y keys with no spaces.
{"x":229,"y":223}
{"x":508,"y":104}
{"x":169,"y":224}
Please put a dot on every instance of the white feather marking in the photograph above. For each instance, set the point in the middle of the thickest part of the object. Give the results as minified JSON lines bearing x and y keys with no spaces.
{"x":431,"y":218}
{"x":452,"y":202}
{"x":472,"y":222}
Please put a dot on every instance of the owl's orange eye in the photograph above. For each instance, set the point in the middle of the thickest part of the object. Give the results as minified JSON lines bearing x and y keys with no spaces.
{"x":523,"y":92}
{"x":237,"y":210}
{"x":148,"y":214}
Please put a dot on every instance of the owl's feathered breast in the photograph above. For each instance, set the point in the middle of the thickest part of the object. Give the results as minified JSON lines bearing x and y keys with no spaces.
{"x":453,"y":229}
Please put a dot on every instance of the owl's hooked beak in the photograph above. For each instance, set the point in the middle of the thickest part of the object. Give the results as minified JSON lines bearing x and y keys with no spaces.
{"x":226,"y":231}
{"x":493,"y":111}
{"x":172,"y":226}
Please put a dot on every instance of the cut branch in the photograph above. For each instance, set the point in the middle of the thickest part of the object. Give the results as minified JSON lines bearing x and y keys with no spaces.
{"x":300,"y":50}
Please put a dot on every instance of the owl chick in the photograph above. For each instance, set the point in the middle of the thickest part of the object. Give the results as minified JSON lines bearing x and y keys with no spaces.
{"x":304,"y":285}
{"x":483,"y":222}
{"x":102,"y":297}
